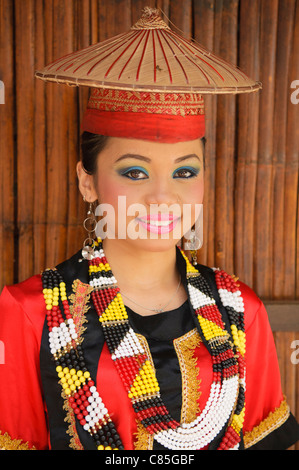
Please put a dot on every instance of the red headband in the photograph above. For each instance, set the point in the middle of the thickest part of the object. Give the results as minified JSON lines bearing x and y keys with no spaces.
{"x":160,"y":117}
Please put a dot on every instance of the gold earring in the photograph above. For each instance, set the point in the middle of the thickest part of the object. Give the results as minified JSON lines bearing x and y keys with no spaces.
{"x":89,"y":225}
{"x":193,"y":244}
{"x":193,"y":248}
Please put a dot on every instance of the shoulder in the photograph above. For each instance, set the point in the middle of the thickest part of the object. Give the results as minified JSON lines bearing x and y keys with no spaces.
{"x":72,"y":269}
{"x":24,"y":300}
{"x":28,"y":295}
{"x":253,"y":305}
{"x":30,"y":286}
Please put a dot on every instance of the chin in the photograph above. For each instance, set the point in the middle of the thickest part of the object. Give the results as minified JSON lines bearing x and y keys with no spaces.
{"x":153,"y":245}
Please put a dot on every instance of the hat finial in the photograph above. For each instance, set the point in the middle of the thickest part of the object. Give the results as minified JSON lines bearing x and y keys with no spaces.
{"x":149,"y":11}
{"x":150,"y":19}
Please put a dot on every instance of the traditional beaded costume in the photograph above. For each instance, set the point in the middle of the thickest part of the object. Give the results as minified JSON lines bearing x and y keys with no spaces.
{"x":77,"y":373}
{"x":88,"y":373}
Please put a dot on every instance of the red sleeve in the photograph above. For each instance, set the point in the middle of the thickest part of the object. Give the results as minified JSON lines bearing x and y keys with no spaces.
{"x":266,"y":409}
{"x":22,"y":413}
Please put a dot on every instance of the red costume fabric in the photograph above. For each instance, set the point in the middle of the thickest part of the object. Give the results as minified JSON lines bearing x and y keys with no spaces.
{"x":23,"y":414}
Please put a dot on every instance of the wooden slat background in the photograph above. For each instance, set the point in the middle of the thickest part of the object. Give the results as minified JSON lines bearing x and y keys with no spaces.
{"x":251,"y":210}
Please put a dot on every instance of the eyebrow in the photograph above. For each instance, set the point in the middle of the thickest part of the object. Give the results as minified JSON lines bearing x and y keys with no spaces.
{"x":148,"y":160}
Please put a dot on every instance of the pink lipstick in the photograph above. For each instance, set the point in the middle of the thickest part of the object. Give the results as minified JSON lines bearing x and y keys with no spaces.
{"x":159,"y":223}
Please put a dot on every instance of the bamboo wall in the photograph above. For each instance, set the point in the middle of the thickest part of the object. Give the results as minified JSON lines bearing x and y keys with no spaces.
{"x":251,"y":211}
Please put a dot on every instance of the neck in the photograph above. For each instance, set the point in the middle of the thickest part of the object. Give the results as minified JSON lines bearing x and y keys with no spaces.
{"x":138,"y":268}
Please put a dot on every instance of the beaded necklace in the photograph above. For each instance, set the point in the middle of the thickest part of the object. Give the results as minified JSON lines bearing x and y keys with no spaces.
{"x":223,"y":414}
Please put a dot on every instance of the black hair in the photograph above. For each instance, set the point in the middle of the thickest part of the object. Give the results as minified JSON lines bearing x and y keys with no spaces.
{"x":91,"y":146}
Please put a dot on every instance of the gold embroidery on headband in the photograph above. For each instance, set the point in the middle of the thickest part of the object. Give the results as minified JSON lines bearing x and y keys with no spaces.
{"x":146,"y":102}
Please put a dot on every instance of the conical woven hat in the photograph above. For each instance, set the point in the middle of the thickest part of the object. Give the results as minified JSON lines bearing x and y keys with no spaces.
{"x":149,"y":57}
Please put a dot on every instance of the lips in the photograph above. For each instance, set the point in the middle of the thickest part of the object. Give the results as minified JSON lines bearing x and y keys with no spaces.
{"x":159,"y":223}
{"x":159,"y":217}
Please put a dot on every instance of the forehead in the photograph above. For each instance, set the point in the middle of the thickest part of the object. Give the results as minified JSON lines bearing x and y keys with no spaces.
{"x":155,"y":152}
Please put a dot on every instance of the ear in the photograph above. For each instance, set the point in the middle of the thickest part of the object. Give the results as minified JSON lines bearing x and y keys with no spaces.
{"x":86,"y":184}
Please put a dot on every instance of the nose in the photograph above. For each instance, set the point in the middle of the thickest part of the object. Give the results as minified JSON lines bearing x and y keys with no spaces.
{"x":161,"y":192}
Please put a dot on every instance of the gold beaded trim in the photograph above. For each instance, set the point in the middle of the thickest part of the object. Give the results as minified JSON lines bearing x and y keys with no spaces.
{"x":184,"y":347}
{"x":75,"y":442}
{"x":144,"y":440}
{"x":78,"y":308}
{"x":7,"y":443}
{"x":273,"y":421}
{"x":79,"y":305}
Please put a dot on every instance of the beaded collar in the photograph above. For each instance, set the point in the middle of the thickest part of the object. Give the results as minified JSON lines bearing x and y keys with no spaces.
{"x":222,"y":417}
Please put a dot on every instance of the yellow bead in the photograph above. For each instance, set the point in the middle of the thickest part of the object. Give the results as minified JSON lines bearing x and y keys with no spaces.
{"x":86,"y":374}
{"x":101,"y":447}
{"x":67,"y":391}
{"x":58,"y":369}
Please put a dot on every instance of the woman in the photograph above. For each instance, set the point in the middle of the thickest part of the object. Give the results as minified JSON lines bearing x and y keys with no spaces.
{"x":129,"y":345}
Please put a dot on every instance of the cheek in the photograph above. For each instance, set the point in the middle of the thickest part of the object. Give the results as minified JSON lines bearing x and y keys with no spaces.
{"x":199,"y":191}
{"x":195,"y":192}
{"x":109,"y":190}
{"x":192,"y":212}
{"x":114,"y":193}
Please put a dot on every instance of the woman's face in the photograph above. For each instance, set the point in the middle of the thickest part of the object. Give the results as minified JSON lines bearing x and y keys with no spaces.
{"x":149,"y":193}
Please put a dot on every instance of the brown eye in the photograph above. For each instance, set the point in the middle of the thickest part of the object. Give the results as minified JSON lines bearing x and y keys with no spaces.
{"x":134,"y":173}
{"x":185,"y":173}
